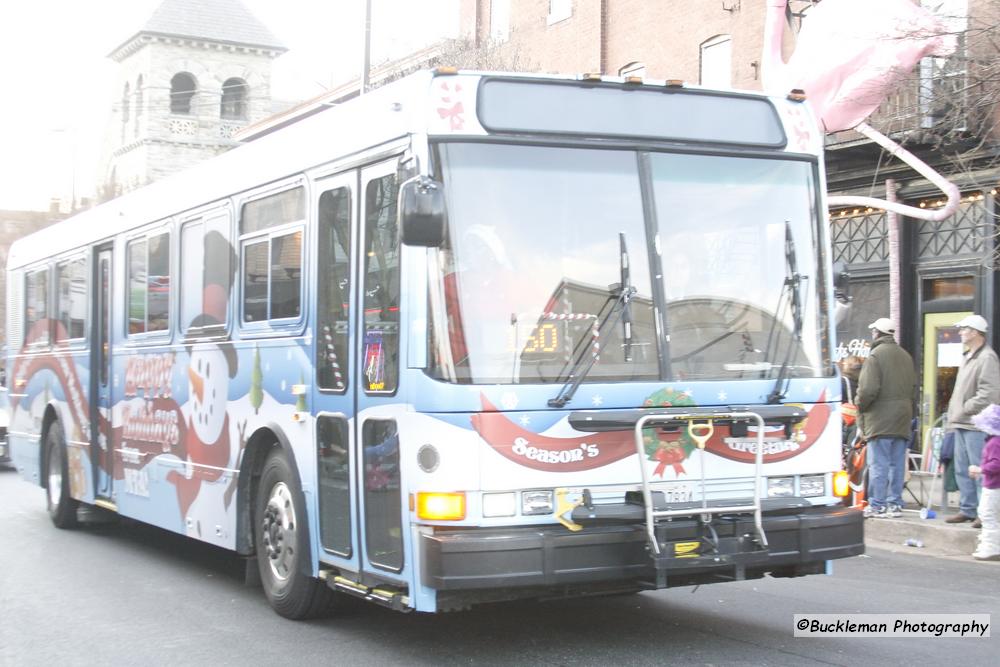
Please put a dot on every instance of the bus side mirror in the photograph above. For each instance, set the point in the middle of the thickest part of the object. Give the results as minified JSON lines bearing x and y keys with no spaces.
{"x":841,"y":283}
{"x":422,"y":213}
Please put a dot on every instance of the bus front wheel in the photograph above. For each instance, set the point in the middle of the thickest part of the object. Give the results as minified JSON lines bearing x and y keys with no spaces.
{"x":62,"y":507}
{"x":282,"y":544}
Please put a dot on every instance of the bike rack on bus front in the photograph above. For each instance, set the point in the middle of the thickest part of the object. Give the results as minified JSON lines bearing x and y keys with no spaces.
{"x":702,"y":421}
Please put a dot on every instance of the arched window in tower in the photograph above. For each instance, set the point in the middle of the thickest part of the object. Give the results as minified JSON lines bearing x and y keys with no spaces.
{"x":234,"y":99}
{"x":138,"y":103}
{"x":125,"y":95}
{"x":182,"y":89}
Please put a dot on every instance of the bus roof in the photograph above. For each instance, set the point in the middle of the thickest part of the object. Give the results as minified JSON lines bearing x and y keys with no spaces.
{"x":440,"y":102}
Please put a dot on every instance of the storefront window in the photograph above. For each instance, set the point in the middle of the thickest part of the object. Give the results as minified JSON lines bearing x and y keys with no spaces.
{"x":869,"y":301}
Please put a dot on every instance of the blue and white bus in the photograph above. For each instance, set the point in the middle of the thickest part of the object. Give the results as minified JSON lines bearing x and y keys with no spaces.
{"x":470,"y":337}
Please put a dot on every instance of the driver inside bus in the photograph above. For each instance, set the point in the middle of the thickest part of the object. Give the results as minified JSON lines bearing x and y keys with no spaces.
{"x":478,"y":291}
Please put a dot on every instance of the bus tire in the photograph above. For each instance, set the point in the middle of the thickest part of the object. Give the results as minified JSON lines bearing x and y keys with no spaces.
{"x":281,"y":538}
{"x":61,"y":506}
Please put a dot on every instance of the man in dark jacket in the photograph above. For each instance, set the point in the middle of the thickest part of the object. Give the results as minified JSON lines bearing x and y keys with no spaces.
{"x":976,"y":386}
{"x":885,"y":402}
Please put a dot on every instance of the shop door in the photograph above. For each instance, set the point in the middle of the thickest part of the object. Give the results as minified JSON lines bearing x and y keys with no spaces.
{"x":942,"y":356}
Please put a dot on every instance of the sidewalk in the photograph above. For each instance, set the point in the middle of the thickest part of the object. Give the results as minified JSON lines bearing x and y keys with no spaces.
{"x":936,"y":535}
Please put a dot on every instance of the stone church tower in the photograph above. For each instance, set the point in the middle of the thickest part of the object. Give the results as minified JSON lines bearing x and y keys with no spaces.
{"x":195,"y":73}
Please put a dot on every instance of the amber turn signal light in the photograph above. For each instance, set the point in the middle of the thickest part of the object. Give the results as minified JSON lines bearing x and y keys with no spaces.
{"x":440,"y":506}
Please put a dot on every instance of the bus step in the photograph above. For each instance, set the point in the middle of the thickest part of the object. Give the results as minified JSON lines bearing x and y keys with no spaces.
{"x":382,"y":595}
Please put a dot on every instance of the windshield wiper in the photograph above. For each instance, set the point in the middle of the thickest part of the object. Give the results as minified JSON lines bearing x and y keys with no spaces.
{"x":625,"y":294}
{"x":793,"y":282}
{"x":624,"y":291}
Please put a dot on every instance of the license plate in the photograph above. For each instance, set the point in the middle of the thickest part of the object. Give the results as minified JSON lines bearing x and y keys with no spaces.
{"x":678,"y":494}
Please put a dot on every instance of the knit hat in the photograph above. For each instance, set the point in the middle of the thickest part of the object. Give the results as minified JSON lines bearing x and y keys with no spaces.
{"x":988,"y":421}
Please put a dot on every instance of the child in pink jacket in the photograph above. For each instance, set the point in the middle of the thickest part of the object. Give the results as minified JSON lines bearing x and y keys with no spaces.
{"x":988,"y":421}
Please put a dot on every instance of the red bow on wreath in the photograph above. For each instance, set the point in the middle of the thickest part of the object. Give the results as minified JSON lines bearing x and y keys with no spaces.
{"x":667,"y":456}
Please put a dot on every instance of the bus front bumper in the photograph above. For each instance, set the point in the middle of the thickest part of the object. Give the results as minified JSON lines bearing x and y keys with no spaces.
{"x":799,"y":542}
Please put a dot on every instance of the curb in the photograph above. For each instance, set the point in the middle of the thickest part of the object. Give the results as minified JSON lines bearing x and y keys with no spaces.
{"x":951,"y":539}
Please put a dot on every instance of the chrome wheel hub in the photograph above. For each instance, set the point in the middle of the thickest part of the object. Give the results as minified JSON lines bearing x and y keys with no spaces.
{"x":55,"y":477}
{"x":278,"y":531}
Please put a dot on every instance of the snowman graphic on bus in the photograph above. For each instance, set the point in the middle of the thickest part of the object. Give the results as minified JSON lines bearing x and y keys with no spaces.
{"x":207,"y":451}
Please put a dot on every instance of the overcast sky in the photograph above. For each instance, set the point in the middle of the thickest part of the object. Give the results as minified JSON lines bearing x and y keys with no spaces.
{"x":57,"y":86}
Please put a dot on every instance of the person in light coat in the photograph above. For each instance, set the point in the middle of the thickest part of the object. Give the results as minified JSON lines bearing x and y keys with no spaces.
{"x":976,"y":386}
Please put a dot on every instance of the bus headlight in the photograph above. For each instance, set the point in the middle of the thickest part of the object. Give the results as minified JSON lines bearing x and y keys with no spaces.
{"x":536,"y":502}
{"x":840,"y":484}
{"x":440,"y":506}
{"x":812,"y":485}
{"x":499,"y":504}
{"x":780,"y":487}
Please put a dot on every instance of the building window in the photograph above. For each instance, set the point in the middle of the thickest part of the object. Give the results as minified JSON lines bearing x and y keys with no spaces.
{"x":234,"y":99}
{"x":943,"y":81}
{"x":716,"y":62}
{"x":500,"y":20}
{"x":182,"y":90}
{"x":272,"y":256}
{"x":633,"y":69}
{"x":125,"y":111}
{"x":149,"y":284}
{"x":71,"y":299}
{"x":559,"y":10}
{"x":138,"y":103}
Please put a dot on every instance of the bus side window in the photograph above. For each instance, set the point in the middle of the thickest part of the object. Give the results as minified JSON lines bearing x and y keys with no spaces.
{"x":71,"y":299}
{"x":334,"y":288}
{"x":149,"y":284}
{"x":207,"y":267}
{"x":380,"y":361}
{"x":272,"y":256}
{"x":36,"y":308}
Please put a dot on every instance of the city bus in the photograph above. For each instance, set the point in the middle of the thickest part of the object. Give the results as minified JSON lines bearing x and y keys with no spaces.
{"x":470,"y":337}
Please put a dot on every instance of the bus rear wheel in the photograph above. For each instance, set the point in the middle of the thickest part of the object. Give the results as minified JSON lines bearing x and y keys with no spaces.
{"x":281,"y":538}
{"x":62,"y":507}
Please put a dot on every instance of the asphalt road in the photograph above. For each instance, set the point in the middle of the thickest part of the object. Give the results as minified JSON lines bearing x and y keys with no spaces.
{"x":122,"y":594}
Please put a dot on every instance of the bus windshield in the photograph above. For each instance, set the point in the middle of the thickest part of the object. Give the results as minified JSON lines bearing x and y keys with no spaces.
{"x":528,"y":284}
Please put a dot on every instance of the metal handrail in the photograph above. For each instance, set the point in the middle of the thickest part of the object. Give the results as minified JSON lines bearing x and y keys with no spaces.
{"x":647,"y":494}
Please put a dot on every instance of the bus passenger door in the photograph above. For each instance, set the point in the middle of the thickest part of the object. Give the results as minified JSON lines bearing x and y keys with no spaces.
{"x":101,"y":446}
{"x":336,"y":234}
{"x":378,"y":373}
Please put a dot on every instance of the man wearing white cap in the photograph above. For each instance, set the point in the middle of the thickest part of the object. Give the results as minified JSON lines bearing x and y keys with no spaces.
{"x":976,"y":386}
{"x":885,"y":403}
